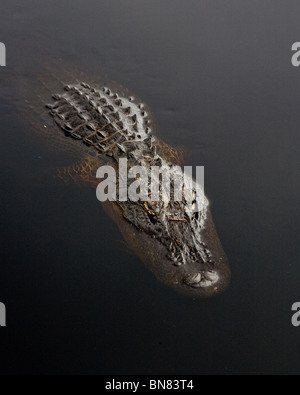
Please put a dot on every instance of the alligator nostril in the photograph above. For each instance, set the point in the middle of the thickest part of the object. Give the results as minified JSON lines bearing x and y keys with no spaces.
{"x":202,"y":279}
{"x":193,"y":279}
{"x":211,"y":275}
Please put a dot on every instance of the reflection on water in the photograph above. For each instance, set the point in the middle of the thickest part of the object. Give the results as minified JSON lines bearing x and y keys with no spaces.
{"x":223,"y":88}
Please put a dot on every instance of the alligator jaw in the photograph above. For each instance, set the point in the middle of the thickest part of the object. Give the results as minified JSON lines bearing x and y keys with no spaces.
{"x":198,"y":279}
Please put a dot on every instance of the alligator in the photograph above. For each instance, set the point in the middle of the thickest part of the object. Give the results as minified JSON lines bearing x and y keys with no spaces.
{"x":177,"y":243}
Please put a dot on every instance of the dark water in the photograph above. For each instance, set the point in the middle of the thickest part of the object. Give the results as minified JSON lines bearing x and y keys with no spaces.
{"x":218,"y":76}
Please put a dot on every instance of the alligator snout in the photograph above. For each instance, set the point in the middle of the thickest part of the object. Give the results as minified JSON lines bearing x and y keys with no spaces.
{"x":205,"y":278}
{"x":202,"y":279}
{"x":197,"y":281}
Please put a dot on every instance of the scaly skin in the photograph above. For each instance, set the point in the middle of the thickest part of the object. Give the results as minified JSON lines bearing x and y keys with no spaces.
{"x":179,"y":245}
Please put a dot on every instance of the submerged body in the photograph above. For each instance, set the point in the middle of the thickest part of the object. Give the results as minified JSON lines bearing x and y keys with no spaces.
{"x":178,"y":244}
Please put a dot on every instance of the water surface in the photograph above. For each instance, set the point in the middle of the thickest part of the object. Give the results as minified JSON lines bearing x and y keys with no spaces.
{"x":218,"y":77}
